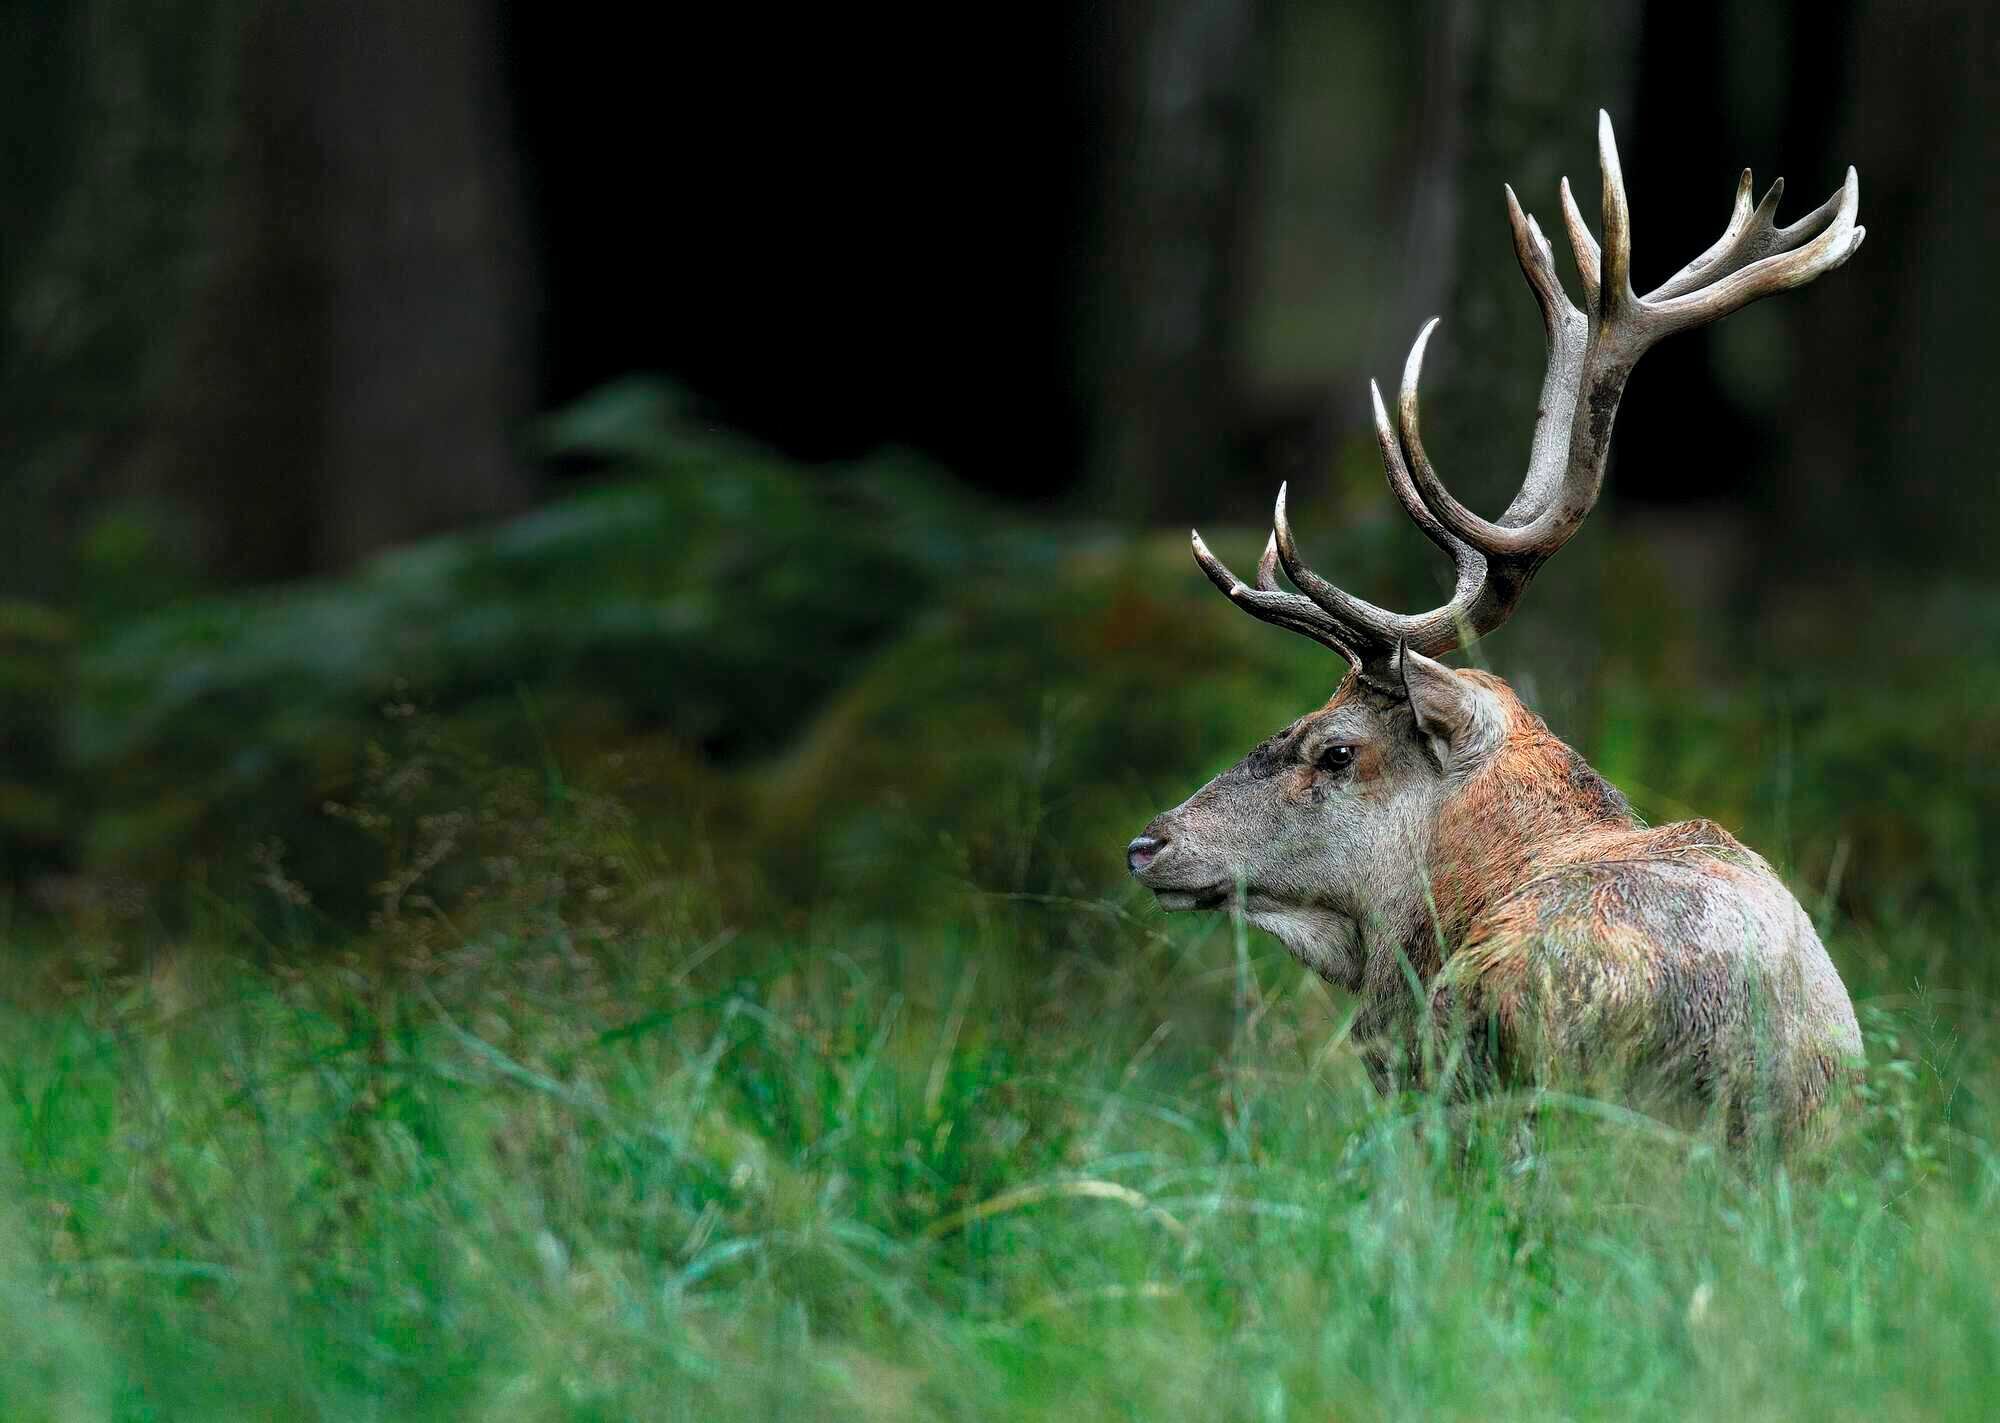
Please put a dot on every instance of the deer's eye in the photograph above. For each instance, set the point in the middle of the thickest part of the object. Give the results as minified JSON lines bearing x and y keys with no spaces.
{"x":1336,"y":758}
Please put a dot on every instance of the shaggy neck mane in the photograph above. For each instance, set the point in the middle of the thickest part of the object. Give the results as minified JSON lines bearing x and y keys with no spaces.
{"x":1535,"y":805}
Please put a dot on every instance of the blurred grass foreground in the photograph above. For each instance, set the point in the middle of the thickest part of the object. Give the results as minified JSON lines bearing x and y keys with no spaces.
{"x":667,"y":957}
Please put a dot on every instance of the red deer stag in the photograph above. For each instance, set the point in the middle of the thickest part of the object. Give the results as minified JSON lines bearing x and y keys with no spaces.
{"x":1425,"y":828}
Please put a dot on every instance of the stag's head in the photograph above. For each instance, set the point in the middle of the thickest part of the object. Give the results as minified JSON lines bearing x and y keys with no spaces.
{"x":1327,"y":825}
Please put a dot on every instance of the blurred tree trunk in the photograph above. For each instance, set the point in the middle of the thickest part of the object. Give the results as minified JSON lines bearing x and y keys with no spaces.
{"x":112,"y":124}
{"x":1511,"y":96}
{"x":1159,"y":325}
{"x":1883,"y":409}
{"x":356,"y":363}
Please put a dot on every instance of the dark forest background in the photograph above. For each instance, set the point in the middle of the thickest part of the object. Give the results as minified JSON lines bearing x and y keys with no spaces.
{"x":286,"y":288}
{"x":299,"y":276}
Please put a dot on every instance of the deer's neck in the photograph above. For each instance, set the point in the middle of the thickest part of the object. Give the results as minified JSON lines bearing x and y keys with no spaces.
{"x":1537,"y":804}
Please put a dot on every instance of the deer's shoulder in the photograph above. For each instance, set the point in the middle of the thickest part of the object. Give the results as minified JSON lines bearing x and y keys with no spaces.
{"x":1648,"y":897}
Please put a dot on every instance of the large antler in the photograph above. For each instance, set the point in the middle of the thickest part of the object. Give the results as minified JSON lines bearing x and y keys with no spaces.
{"x":1590,"y":358}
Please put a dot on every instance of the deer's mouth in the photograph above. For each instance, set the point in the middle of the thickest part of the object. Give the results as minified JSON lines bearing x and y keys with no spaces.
{"x":1214,"y":897}
{"x":1174,"y":877}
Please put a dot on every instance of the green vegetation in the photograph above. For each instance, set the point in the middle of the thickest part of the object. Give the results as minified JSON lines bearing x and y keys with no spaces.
{"x":741,"y":1012}
{"x":1049,"y":1162}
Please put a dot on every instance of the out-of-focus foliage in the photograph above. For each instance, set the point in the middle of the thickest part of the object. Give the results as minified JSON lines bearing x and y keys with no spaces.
{"x":712,"y":595}
{"x":871,"y":687}
{"x":35,"y":648}
{"x":839,"y":676}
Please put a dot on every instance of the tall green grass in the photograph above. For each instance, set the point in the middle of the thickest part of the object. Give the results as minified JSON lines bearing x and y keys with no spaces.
{"x":1049,"y":1161}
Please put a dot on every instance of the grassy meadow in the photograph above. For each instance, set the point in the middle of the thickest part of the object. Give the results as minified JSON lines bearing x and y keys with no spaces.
{"x":1046,"y":1162}
{"x":547,"y":1064}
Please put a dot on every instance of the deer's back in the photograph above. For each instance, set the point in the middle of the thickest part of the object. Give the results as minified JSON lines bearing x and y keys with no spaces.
{"x":1671,"y":958}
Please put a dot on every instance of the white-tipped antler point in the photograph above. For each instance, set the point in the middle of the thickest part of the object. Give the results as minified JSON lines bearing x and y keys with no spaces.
{"x":1218,"y":574}
{"x":1413,"y":367}
{"x":1267,"y":565}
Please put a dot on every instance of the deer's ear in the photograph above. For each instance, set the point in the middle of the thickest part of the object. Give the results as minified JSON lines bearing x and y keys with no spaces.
{"x":1449,"y":710}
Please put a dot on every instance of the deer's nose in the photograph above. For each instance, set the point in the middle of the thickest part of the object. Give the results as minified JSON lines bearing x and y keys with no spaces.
{"x":1143,"y":851}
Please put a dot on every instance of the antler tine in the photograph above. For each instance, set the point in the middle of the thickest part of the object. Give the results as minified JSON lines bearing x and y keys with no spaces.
{"x":1746,"y":226}
{"x":1615,"y":296}
{"x":1750,"y":238}
{"x":1270,"y":604}
{"x":1492,"y":540}
{"x":1537,"y":262}
{"x":1480,"y":600}
{"x":1591,"y":353}
{"x":1267,"y":566}
{"x":1606,"y":270}
{"x":1359,"y":631}
{"x":1739,"y":215}
{"x":1369,"y":628}
{"x":1765,"y":259}
{"x":1482,"y":591}
{"x":1405,"y":491}
{"x":1568,"y":333}
{"x":1588,"y":258}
